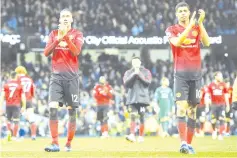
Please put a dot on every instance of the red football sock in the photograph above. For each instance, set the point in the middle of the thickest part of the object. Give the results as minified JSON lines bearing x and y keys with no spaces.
{"x":190,"y":133}
{"x":132,"y":127}
{"x":9,"y":126}
{"x":202,"y":126}
{"x":102,"y":128}
{"x":221,"y":129}
{"x":71,"y":132}
{"x":53,"y":125}
{"x":105,"y":127}
{"x":15,"y":130}
{"x":33,"y":129}
{"x":228,"y":127}
{"x":141,"y":130}
{"x":182,"y":128}
{"x":197,"y":130}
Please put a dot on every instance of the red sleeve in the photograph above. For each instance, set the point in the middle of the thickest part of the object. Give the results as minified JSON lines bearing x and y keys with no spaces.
{"x":5,"y":88}
{"x":170,"y":32}
{"x":110,"y":95}
{"x":33,"y":89}
{"x":75,"y":46}
{"x":225,"y":90}
{"x":21,"y":90}
{"x":51,"y":44}
{"x":208,"y":89}
{"x":96,"y":92}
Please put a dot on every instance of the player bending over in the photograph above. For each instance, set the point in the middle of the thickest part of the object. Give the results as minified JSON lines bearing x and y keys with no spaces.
{"x":184,"y":39}
{"x":165,"y":100}
{"x":29,"y":90}
{"x":64,"y":45}
{"x":13,"y":93}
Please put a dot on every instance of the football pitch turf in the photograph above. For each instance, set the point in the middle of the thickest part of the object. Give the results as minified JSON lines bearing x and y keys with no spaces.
{"x":119,"y":147}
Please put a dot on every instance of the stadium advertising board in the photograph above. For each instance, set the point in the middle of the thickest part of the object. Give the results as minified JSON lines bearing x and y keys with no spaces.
{"x":108,"y":40}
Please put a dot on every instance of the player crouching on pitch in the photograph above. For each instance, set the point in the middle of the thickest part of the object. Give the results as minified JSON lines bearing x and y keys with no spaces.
{"x":137,"y":81}
{"x":103,"y":95}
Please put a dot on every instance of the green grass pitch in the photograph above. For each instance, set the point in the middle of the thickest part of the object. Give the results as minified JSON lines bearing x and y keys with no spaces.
{"x":119,"y":147}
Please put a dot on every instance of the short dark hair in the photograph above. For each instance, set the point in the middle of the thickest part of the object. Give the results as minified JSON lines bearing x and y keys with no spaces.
{"x":66,"y":10}
{"x":181,"y":4}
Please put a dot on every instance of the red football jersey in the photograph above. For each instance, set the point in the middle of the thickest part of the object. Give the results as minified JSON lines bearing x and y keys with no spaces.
{"x":13,"y":91}
{"x":65,"y":64}
{"x":27,"y":85}
{"x":103,"y":94}
{"x":187,"y":58}
{"x":203,"y":92}
{"x":230,"y":91}
{"x":217,"y":93}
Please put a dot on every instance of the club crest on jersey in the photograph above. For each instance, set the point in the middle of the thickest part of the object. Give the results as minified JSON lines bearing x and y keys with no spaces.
{"x":62,"y":44}
{"x":178,"y":95}
{"x":194,"y":33}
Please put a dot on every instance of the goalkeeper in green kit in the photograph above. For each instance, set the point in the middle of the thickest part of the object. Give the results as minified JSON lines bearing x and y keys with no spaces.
{"x":165,"y":100}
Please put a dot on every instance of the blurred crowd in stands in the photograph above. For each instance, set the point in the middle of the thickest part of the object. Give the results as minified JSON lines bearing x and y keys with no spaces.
{"x":114,"y":17}
{"x":113,"y":68}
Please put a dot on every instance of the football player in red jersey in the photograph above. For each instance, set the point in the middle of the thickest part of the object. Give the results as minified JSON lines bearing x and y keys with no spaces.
{"x":201,"y":111}
{"x":234,"y":96}
{"x":184,"y":39}
{"x":64,"y":46}
{"x":218,"y":93}
{"x":103,"y":95}
{"x":29,"y":90}
{"x":14,"y":96}
{"x":229,"y":114}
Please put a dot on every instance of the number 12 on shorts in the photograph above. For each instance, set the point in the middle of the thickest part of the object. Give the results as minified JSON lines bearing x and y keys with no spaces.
{"x":74,"y":97}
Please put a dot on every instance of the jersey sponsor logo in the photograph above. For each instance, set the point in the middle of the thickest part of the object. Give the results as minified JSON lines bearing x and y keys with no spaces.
{"x":217,"y":92}
{"x":178,"y":95}
{"x":189,"y":41}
